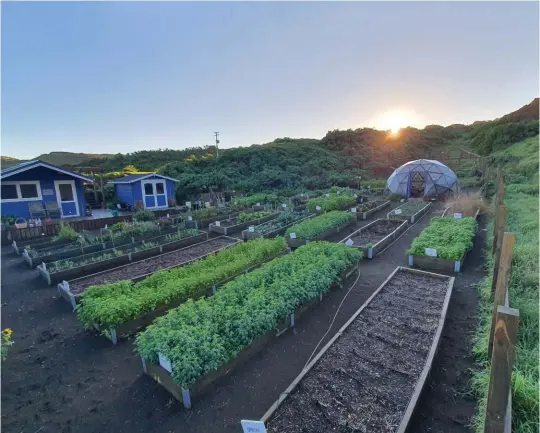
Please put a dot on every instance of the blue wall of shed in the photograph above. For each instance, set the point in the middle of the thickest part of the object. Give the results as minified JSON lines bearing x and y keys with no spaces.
{"x":46,"y":177}
{"x":124,"y":192}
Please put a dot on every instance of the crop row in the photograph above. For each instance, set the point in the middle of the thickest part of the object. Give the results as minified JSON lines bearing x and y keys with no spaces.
{"x":317,"y":226}
{"x":331,"y":202}
{"x":112,"y":304}
{"x":243,"y":216}
{"x":451,"y":238}
{"x":248,"y":201}
{"x":200,"y":336}
{"x":284,"y":219}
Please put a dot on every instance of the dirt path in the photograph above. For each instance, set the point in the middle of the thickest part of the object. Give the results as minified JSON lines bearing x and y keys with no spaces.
{"x":60,"y":378}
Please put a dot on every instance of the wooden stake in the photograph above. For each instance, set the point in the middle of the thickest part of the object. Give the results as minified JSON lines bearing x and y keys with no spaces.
{"x":501,"y":285}
{"x":502,"y":215}
{"x":502,"y":363}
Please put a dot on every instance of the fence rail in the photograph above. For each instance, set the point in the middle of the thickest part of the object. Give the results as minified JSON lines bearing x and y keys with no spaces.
{"x":504,"y":325}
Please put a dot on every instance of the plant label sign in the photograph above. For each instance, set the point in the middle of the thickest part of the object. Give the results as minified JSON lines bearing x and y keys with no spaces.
{"x":251,"y":229}
{"x":397,"y":211}
{"x":318,"y":208}
{"x":283,"y":205}
{"x":458,"y":215}
{"x":337,"y":193}
{"x":293,"y":235}
{"x":253,"y":426}
{"x":327,"y":195}
{"x":349,"y":242}
{"x":258,"y":204}
{"x":402,"y":200}
{"x":356,"y":196}
{"x":353,"y":210}
{"x":190,"y":218}
{"x":207,"y":204}
{"x":217,"y":223}
{"x":431,"y":252}
{"x":188,"y":203}
{"x":165,"y":362}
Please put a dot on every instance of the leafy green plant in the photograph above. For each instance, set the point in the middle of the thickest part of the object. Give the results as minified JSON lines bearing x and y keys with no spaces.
{"x":9,"y":219}
{"x":284,"y":219}
{"x":243,"y":217}
{"x":6,"y":342}
{"x":367,"y":206}
{"x":144,"y":215}
{"x":115,"y":303}
{"x":66,"y":233}
{"x":239,"y":203}
{"x":206,"y":213}
{"x":395,"y":197}
{"x":182,"y":235}
{"x":450,"y":237}
{"x":314,"y":227}
{"x":200,"y":336}
{"x":332,"y":202}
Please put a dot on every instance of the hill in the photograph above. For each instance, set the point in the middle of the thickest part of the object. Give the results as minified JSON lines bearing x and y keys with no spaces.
{"x":64,"y":159}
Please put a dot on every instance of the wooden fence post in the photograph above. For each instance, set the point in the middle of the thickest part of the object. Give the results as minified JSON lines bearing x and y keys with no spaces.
{"x":501,"y":284}
{"x":502,"y":363}
{"x":499,"y":201}
{"x":502,"y":215}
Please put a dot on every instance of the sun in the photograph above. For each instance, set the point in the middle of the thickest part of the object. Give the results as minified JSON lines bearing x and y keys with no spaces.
{"x":393,"y":121}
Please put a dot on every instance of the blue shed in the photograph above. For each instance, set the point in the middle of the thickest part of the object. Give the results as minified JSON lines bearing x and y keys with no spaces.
{"x":37,"y":188}
{"x":152,"y":190}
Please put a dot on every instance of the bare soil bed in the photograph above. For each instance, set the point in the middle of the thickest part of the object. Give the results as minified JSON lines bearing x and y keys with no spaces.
{"x":365,"y":380}
{"x":153,"y":264}
{"x":375,"y":232}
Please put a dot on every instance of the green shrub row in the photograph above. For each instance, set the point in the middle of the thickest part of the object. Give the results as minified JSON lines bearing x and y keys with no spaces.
{"x":119,"y":302}
{"x":200,"y":336}
{"x":243,"y":217}
{"x":332,"y":202}
{"x":314,"y":227}
{"x":450,"y":237}
{"x":248,"y":201}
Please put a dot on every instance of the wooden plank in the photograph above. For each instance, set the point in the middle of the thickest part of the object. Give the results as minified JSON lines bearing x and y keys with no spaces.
{"x":499,"y":201}
{"x":502,"y":363}
{"x":502,"y":212}
{"x":501,"y":285}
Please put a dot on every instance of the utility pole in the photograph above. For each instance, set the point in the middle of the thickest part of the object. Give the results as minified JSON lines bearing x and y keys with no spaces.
{"x":217,"y":142}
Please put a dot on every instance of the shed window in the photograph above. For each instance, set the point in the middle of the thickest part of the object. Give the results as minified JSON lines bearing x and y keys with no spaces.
{"x":29,"y":190}
{"x":160,"y":188}
{"x":148,"y":189}
{"x":9,"y":192}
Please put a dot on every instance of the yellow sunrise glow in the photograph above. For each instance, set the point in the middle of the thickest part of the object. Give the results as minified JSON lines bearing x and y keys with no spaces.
{"x":394,"y":120}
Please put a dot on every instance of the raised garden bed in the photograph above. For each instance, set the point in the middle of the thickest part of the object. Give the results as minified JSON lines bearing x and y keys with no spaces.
{"x":410,"y":210}
{"x":271,"y":313}
{"x":135,"y":305}
{"x":369,"y":376}
{"x":44,"y":242}
{"x":375,"y":236}
{"x":73,"y":290}
{"x":365,"y":210}
{"x":275,"y":227}
{"x":232,"y":225}
{"x":443,"y":245}
{"x":318,"y":228}
{"x":330,"y":202}
{"x":107,"y":259}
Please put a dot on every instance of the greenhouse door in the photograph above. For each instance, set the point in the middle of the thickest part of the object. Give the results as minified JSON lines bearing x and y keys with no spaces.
{"x":417,"y":183}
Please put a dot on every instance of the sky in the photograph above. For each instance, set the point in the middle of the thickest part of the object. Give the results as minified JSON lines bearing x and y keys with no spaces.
{"x":116,"y":77}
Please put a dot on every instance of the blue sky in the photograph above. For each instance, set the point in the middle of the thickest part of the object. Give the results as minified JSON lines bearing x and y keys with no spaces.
{"x":118,"y":77}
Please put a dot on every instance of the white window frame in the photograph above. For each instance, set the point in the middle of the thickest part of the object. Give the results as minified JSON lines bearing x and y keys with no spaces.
{"x":75,"y":200}
{"x":19,"y":195}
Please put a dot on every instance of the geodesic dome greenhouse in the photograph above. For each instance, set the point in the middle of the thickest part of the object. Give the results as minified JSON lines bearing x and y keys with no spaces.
{"x":423,"y":178}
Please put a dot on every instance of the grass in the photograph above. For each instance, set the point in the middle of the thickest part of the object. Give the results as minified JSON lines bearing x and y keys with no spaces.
{"x":520,"y":165}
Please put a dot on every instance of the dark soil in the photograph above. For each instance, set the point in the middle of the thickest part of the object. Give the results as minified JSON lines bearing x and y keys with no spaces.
{"x":228,"y":223}
{"x":148,"y":266}
{"x":365,"y":381}
{"x":59,"y":378}
{"x":375,"y":232}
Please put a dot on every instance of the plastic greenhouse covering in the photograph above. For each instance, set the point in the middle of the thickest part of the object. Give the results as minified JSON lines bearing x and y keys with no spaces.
{"x":423,"y":177}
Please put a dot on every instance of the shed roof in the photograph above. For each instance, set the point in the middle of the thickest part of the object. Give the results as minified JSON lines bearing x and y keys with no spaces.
{"x":136,"y":177}
{"x":29,"y":165}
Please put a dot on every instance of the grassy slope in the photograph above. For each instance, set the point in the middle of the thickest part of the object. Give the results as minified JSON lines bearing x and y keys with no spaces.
{"x":520,"y":165}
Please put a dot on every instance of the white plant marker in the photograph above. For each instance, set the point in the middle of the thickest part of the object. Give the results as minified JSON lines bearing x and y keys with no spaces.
{"x":292,"y":235}
{"x":327,"y":195}
{"x":402,"y":200}
{"x":356,"y":196}
{"x":353,"y":210}
{"x":258,"y":204}
{"x":318,"y":208}
{"x":458,"y":215}
{"x":190,"y":218}
{"x":253,"y":426}
{"x":349,"y":242}
{"x":431,"y":252}
{"x":251,"y":229}
{"x":188,"y":203}
{"x":217,"y":223}
{"x":283,"y":205}
{"x":397,"y":211}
